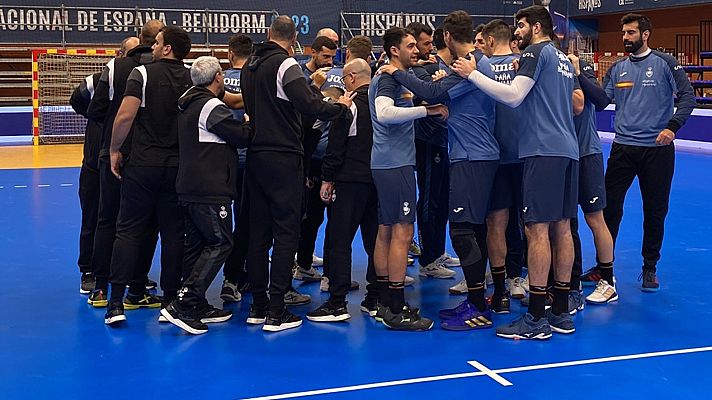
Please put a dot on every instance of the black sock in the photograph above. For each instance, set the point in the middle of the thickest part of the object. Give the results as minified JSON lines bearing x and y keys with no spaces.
{"x":382,"y":290}
{"x":560,"y":304}
{"x":137,"y":290}
{"x":397,"y":296}
{"x":606,"y":272}
{"x":537,"y":301}
{"x":575,"y":281}
{"x":476,"y":295}
{"x":499,"y":275}
{"x":117,"y":292}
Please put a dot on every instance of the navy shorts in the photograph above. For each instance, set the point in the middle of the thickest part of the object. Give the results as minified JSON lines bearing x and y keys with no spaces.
{"x":396,"y":195}
{"x":470,"y":188}
{"x":592,"y":187}
{"x":549,"y":189}
{"x":507,"y":188}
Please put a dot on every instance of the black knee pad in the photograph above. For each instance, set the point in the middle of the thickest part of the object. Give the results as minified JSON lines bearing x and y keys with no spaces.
{"x":465,"y":245}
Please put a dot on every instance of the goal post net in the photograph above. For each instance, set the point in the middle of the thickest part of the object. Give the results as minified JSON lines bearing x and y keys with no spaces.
{"x":55,"y":74}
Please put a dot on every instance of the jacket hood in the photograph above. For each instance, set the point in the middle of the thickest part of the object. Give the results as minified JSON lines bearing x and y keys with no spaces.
{"x":193,"y":94}
{"x":141,"y":48}
{"x":263,"y":51}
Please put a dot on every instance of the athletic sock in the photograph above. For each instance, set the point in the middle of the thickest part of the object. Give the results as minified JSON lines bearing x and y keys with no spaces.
{"x":476,"y":295}
{"x":606,"y":272}
{"x":560,"y":304}
{"x":382,"y":290}
{"x":117,"y":292}
{"x":397,"y":296}
{"x":537,"y":301}
{"x":499,"y":275}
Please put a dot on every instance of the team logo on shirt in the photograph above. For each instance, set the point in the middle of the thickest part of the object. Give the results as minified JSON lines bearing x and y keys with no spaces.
{"x":649,"y":72}
{"x":594,"y":200}
{"x":223,"y":212}
{"x":457,"y":210}
{"x":406,"y":208}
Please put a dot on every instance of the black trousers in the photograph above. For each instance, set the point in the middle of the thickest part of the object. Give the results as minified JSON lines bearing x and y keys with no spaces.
{"x":356,"y":205}
{"x":433,"y":171}
{"x":275,"y":183}
{"x":654,"y":167}
{"x":148,"y":196}
{"x":89,"y":203}
{"x":313,"y":218}
{"x":109,"y":201}
{"x":515,"y":244}
{"x":208,"y":243}
{"x":236,"y":267}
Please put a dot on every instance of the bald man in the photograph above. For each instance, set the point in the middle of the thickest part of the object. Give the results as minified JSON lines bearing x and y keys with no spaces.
{"x":346,"y":169}
{"x":330,"y":33}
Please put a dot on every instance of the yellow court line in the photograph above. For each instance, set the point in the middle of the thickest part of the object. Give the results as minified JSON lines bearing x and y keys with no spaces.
{"x":46,"y":156}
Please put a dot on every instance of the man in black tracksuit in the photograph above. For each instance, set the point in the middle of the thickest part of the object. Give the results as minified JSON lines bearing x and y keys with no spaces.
{"x":206,"y":185}
{"x":88,"y":180}
{"x":148,"y":179}
{"x":103,"y":108}
{"x":348,"y":186}
{"x":275,"y":93}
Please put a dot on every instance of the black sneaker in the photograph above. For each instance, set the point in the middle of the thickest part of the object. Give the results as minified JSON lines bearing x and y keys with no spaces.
{"x":500,"y":306}
{"x":257,"y":315}
{"x":98,"y":299}
{"x":209,"y":314}
{"x":184,"y":320}
{"x":88,"y":283}
{"x":330,"y":311}
{"x":650,"y":281}
{"x":146,"y":300}
{"x":114,"y":313}
{"x":151,"y":284}
{"x":406,"y":320}
{"x":283,"y":321}
{"x":370,"y":305}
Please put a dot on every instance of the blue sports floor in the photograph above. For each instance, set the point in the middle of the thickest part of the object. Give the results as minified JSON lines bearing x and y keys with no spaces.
{"x":54,"y":345}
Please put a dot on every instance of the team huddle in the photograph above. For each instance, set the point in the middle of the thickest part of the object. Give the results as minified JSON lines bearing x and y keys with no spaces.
{"x":488,"y":133}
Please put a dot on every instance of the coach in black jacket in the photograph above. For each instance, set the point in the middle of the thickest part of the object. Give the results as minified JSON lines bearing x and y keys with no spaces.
{"x":207,"y":171}
{"x":275,"y":94}
{"x":348,"y":186}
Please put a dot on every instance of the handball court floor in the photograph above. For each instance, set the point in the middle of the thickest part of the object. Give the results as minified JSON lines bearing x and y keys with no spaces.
{"x":54,"y":345}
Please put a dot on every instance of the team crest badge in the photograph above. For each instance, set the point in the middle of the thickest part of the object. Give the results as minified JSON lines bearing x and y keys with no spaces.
{"x":223,"y":212}
{"x":649,"y":72}
{"x":406,"y":208}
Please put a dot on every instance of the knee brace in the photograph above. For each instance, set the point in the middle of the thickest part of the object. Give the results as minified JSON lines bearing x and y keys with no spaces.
{"x":465,"y":245}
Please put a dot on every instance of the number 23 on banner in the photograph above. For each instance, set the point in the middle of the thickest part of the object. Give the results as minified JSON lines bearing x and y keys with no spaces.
{"x":302,"y":23}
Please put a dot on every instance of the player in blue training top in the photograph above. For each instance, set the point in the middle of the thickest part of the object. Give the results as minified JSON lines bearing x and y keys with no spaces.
{"x":474,"y":157}
{"x":544,"y":86}
{"x":646,"y":122}
{"x":235,"y":281}
{"x":392,"y":168}
{"x":507,"y":187}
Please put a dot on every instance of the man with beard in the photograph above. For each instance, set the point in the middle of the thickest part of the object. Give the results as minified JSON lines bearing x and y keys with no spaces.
{"x":323,"y":51}
{"x":474,"y":156}
{"x":392,"y":168}
{"x":646,"y":123}
{"x":544,"y":86}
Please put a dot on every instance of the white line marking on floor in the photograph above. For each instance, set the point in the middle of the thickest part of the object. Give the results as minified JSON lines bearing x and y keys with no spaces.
{"x":40,"y":186}
{"x":490,"y":373}
{"x":66,"y":184}
{"x":20,"y":186}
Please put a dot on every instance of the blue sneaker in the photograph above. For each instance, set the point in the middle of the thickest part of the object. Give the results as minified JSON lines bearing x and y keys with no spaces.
{"x":469,"y":319}
{"x":525,"y":328}
{"x":650,"y":281}
{"x":452,"y":312}
{"x":560,"y":323}
{"x":576,"y":302}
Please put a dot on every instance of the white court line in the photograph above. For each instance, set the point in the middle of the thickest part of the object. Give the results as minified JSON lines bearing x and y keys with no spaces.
{"x":20,"y":186}
{"x":490,"y":373}
{"x":66,"y":184}
{"x":39,"y":186}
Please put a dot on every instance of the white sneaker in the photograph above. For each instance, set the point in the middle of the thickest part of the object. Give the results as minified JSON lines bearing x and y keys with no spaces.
{"x":460,"y":288}
{"x":516,"y":290}
{"x":324,"y":285}
{"x":436,"y":269}
{"x":317,"y":261}
{"x":525,"y":283}
{"x":449,"y":261}
{"x":408,"y":281}
{"x":307,"y":275}
{"x":603,"y":294}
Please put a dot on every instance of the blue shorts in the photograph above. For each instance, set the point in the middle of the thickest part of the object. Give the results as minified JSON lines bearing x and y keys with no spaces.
{"x":470,"y":188}
{"x":592,"y":187}
{"x":549,"y":189}
{"x":507,"y":188}
{"x":396,"y":195}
